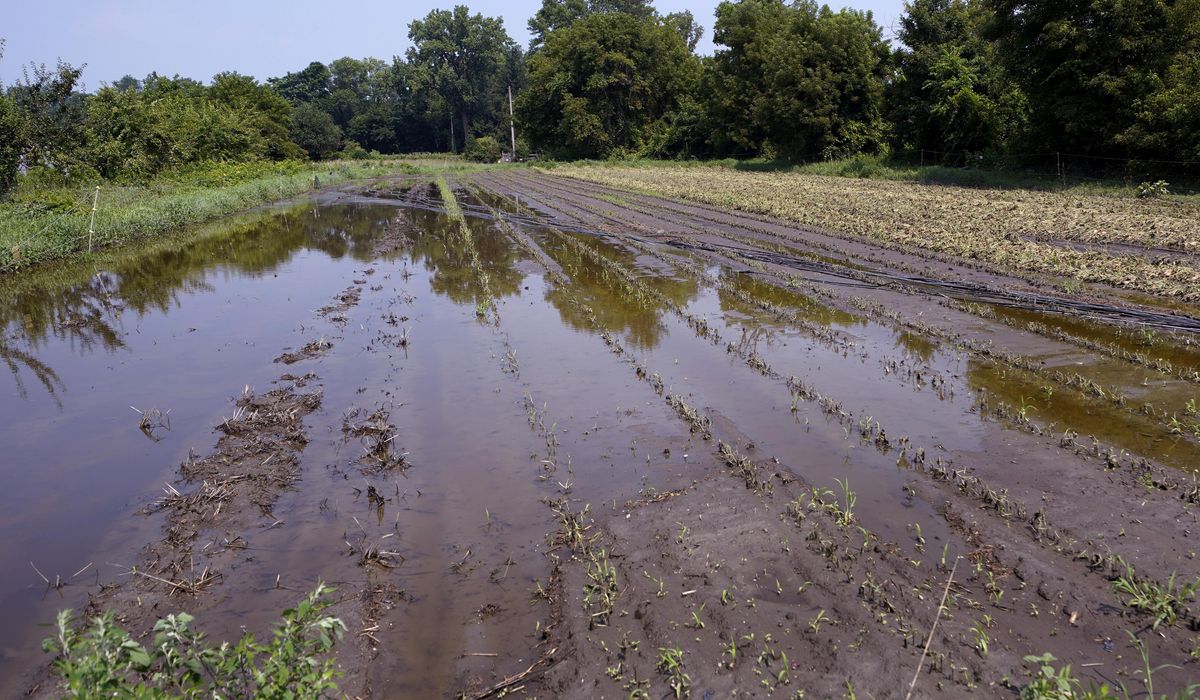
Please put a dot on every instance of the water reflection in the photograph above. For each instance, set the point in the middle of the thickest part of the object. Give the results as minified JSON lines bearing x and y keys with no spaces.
{"x":617,"y":311}
{"x":85,"y":305}
{"x":438,"y":245}
{"x":1024,"y":394}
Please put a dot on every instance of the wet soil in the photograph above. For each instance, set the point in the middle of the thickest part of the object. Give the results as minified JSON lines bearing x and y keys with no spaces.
{"x":571,"y":447}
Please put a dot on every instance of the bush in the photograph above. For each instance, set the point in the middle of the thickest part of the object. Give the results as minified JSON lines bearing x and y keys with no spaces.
{"x":99,"y":659}
{"x":483,"y":150}
{"x":214,"y":174}
{"x":353,"y":151}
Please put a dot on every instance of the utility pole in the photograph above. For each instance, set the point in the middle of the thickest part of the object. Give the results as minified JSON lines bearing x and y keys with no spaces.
{"x":452,"y":148}
{"x":512,"y":127}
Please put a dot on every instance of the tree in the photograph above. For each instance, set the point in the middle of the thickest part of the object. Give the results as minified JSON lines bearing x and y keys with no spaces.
{"x":136,"y":135}
{"x":314,"y":131}
{"x":950,"y":92}
{"x":1085,"y":65}
{"x":128,"y":82}
{"x":465,"y":57}
{"x":606,"y":85}
{"x":308,"y":86}
{"x":1167,"y":118}
{"x":12,"y":138}
{"x":52,"y":113}
{"x":685,"y":23}
{"x":559,"y":14}
{"x":796,"y":81}
{"x":266,"y":110}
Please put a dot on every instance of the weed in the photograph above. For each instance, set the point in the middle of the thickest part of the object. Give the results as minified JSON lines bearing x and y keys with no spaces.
{"x":1050,"y":683}
{"x":1163,"y":601}
{"x":99,"y":659}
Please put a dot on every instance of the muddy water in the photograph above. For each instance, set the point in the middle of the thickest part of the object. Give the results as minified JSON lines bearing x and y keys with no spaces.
{"x":184,"y":326}
{"x":178,"y":328}
{"x":496,"y":414}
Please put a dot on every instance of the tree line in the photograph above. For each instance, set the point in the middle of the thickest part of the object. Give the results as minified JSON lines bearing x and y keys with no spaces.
{"x":615,"y":78}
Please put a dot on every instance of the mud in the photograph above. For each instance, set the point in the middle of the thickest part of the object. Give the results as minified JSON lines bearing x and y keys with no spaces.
{"x":546,"y":451}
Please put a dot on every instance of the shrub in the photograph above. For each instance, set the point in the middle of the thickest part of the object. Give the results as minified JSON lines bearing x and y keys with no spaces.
{"x":353,"y":151}
{"x":484,"y":149}
{"x":98,"y":659}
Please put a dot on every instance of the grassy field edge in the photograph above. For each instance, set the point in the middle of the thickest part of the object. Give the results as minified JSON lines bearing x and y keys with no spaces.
{"x":128,"y":214}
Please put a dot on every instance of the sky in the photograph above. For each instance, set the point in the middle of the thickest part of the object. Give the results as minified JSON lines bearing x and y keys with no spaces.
{"x":263,"y":38}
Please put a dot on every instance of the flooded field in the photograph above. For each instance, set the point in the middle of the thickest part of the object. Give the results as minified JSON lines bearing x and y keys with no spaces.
{"x":549,"y":438}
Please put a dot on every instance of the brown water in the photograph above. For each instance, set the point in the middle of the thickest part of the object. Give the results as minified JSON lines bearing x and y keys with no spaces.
{"x":186,"y":324}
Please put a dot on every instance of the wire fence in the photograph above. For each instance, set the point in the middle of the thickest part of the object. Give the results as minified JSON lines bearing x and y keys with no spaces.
{"x":78,"y":216}
{"x":1067,"y":168}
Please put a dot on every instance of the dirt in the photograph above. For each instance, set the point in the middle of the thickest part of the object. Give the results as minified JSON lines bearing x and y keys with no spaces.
{"x":554,"y":453}
{"x":311,"y":349}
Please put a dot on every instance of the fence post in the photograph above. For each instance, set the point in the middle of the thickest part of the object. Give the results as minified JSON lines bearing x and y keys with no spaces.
{"x":92,"y":224}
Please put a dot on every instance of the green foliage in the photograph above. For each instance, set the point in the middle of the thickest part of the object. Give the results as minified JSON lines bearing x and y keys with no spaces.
{"x":1050,"y":683}
{"x":44,"y":224}
{"x":1166,"y":119}
{"x":314,"y":131}
{"x":558,"y":14}
{"x":1165,"y":602}
{"x":12,"y":138}
{"x":96,"y":658}
{"x":796,"y":81}
{"x":468,"y":61}
{"x":52,"y":113}
{"x":607,"y":85}
{"x":1153,"y":190}
{"x":950,"y":92}
{"x":353,"y":151}
{"x":1086,"y":67}
{"x":484,"y":149}
{"x":134,"y":135}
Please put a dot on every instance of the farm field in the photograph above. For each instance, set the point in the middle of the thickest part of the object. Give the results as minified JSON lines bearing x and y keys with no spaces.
{"x":605,"y":432}
{"x":1146,"y":245}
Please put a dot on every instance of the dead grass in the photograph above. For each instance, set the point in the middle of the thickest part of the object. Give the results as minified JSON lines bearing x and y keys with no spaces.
{"x":1011,"y":230}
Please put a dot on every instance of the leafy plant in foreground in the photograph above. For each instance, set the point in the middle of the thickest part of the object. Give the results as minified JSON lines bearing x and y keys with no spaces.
{"x":96,"y":658}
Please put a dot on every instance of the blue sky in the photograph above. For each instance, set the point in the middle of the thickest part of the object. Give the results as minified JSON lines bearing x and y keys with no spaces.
{"x":257,"y":37}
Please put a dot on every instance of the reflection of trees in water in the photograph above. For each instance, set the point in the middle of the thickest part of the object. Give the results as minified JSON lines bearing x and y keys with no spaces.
{"x":71,"y":304}
{"x":615,"y":309}
{"x":444,"y":253}
{"x":791,"y":299}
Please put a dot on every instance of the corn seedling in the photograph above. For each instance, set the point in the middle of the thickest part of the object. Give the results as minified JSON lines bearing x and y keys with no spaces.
{"x":600,"y":591}
{"x":661,"y":592}
{"x":670,"y":663}
{"x":981,"y":639}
